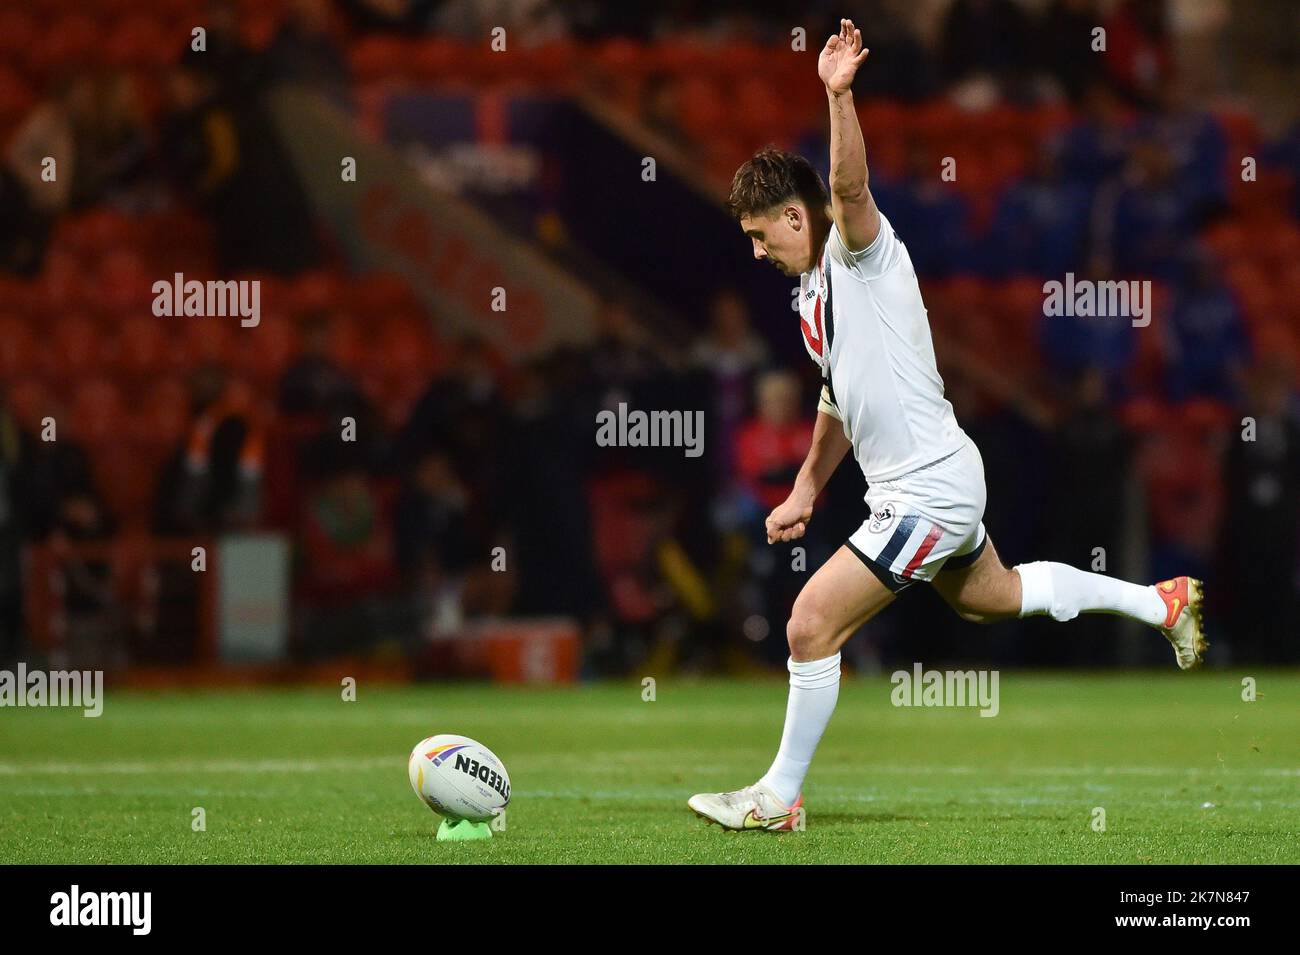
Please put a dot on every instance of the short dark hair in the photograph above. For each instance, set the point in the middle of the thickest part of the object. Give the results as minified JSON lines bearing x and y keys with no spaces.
{"x":771,"y":177}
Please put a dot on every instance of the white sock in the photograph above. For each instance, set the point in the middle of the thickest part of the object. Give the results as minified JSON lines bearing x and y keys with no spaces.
{"x":814,"y":690}
{"x":1064,"y":592}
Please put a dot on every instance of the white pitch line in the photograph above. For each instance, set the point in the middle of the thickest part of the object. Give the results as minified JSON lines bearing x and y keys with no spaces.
{"x":345,"y":763}
{"x":203,"y":766}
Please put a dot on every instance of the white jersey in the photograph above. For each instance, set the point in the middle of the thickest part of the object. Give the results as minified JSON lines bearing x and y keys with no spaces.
{"x":865,"y":325}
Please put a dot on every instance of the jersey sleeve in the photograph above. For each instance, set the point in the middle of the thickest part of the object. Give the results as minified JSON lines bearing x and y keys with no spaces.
{"x":826,"y":404}
{"x":876,"y":259}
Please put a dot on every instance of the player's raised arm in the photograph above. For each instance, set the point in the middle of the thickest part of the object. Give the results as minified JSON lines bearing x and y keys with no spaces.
{"x":851,"y":203}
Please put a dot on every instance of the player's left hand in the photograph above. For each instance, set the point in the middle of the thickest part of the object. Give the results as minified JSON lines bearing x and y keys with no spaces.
{"x":841,"y":57}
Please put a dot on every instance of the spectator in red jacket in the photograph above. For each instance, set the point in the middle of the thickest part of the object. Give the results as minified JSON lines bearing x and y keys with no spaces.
{"x":770,"y":448}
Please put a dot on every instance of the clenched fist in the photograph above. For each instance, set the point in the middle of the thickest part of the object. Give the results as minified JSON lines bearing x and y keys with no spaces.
{"x":789,"y":520}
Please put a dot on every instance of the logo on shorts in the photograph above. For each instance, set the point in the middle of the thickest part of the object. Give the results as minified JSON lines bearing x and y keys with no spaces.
{"x":883,"y":519}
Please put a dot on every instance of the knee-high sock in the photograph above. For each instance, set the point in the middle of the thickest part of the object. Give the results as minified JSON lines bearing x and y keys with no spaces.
{"x":814,"y":690}
{"x":1064,"y":592}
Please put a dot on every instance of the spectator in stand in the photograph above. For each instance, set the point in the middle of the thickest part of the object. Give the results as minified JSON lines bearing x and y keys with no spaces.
{"x":1145,"y":221}
{"x":11,"y":536}
{"x":1258,"y":548}
{"x":901,"y":66}
{"x":213,"y":482}
{"x":46,"y":476}
{"x":771,"y":447}
{"x":1073,"y":344}
{"x":730,"y":353}
{"x":1285,"y":155}
{"x":430,"y":531}
{"x":1095,"y":147}
{"x":547,"y":517}
{"x":444,"y":566}
{"x":225,"y":153}
{"x":29,"y":205}
{"x":112,"y":146}
{"x":346,"y":570}
{"x":533,"y":21}
{"x":1063,"y":42}
{"x":984,"y":38}
{"x":1040,"y":226}
{"x":624,"y":360}
{"x":51,"y":498}
{"x":922,"y":205}
{"x":1197,"y":144}
{"x":304,"y":51}
{"x":1088,"y":460}
{"x":237,"y":71}
{"x":319,"y":394}
{"x":462,"y":411}
{"x":390,"y":16}
{"x":315,"y":383}
{"x":1138,"y":58}
{"x":1207,"y":346}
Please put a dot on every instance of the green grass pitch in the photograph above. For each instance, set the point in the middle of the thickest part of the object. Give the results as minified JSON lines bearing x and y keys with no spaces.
{"x":1185,"y":770}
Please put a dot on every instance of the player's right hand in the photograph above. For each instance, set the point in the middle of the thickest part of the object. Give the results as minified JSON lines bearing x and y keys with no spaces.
{"x":789,"y":519}
{"x":841,"y":57}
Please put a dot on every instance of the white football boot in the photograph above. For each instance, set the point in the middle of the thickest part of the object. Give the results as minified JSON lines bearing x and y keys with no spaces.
{"x":1184,"y":619}
{"x":754,"y":807}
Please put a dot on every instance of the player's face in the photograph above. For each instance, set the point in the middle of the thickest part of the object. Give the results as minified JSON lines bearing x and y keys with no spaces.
{"x":781,"y":238}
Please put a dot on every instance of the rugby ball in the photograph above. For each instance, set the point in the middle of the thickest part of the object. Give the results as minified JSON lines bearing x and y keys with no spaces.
{"x":459,"y":778}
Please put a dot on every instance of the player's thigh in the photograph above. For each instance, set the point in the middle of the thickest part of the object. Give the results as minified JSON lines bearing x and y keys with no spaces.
{"x":983,"y":592}
{"x":839,"y":598}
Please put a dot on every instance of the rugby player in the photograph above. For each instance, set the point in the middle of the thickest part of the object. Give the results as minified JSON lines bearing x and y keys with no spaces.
{"x":865,"y":325}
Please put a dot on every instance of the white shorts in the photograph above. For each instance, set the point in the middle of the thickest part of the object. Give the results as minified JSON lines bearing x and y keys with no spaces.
{"x":925,"y":520}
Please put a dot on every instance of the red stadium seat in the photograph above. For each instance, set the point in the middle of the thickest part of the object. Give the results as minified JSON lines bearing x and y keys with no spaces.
{"x":207,"y":341}
{"x":266,"y":350}
{"x":16,"y":97}
{"x":76,"y":348}
{"x":402,"y":349}
{"x":163,"y":413}
{"x":436,"y":59}
{"x":125,"y":482}
{"x":315,"y":291}
{"x":380,"y":293}
{"x":1228,"y":240}
{"x":375,"y":58}
{"x":125,"y":281}
{"x":549,"y":65}
{"x":19,"y":354}
{"x":144,"y":345}
{"x":701,"y":107}
{"x":757,"y":111}
{"x":30,"y":400}
{"x":19,"y":31}
{"x":98,"y":412}
{"x":346,"y":345}
{"x":73,"y":40}
{"x":139,"y":40}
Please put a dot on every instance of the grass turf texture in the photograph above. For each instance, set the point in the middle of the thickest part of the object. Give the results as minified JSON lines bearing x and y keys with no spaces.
{"x":600,"y":776}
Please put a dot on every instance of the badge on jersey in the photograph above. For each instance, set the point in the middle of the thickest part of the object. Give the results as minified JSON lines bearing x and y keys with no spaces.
{"x":815,"y":314}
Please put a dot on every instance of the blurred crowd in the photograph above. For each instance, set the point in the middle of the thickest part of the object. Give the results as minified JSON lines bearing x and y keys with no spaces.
{"x":1118,"y":439}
